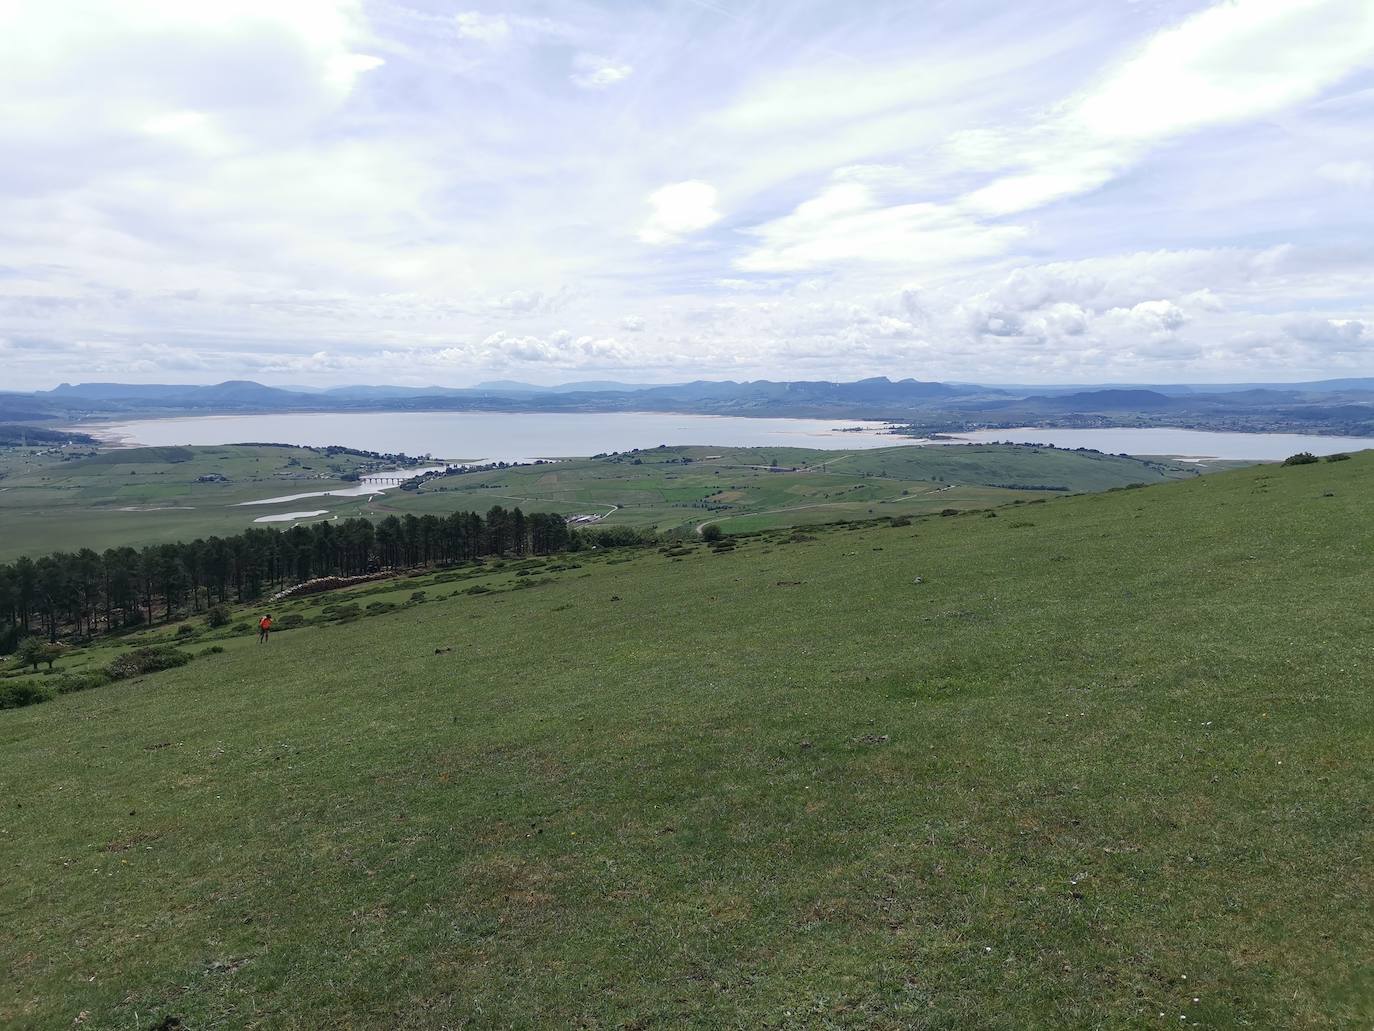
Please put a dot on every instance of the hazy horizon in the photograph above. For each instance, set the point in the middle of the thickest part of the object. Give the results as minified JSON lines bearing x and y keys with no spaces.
{"x":342,"y":192}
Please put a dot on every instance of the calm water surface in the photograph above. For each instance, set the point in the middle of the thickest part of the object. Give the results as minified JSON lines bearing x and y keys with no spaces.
{"x":514,"y":436}
{"x":1255,"y":447}
{"x":505,"y":436}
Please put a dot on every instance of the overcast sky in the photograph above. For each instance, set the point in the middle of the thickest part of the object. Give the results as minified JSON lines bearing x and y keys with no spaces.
{"x":368,"y":191}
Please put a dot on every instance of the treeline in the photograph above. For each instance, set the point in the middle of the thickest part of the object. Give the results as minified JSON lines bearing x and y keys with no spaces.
{"x":86,"y":592}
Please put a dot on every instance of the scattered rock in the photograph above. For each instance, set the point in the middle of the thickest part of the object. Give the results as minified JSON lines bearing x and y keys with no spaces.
{"x":443,"y":651}
{"x":919,"y":580}
{"x":615,"y":597}
{"x":790,"y":583}
{"x":805,"y":744}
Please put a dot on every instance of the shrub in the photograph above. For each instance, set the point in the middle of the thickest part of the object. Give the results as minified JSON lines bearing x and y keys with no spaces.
{"x":186,"y":630}
{"x":291,"y":620}
{"x":712,"y":533}
{"x":417,"y":596}
{"x":349,"y":610}
{"x":1301,"y":458}
{"x":241,"y":628}
{"x":16,"y":696}
{"x":217,"y":617}
{"x":1338,"y":458}
{"x":478,"y":589}
{"x":214,"y":649}
{"x":900,"y":521}
{"x":378,"y":607}
{"x":146,"y":660}
{"x":70,"y":683}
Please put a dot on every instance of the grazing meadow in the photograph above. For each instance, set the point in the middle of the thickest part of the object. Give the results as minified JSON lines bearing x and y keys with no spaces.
{"x":1094,"y":761}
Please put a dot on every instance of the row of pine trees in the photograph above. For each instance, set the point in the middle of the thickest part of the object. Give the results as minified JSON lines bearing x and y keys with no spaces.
{"x":86,"y":592}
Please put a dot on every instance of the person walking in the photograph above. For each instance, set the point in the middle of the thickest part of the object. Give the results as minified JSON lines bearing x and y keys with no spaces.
{"x":264,"y":628}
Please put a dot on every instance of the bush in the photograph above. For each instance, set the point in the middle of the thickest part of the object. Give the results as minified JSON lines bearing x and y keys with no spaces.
{"x":612,"y":537}
{"x":217,"y":617}
{"x":1301,"y":458}
{"x":711,"y":533}
{"x":16,"y":696}
{"x":186,"y":630}
{"x":417,"y":596}
{"x":1338,"y":458}
{"x":350,"y":610}
{"x":70,"y":683}
{"x":900,"y":521}
{"x":146,"y":660}
{"x":214,"y":649}
{"x":378,"y":607}
{"x":291,"y":620}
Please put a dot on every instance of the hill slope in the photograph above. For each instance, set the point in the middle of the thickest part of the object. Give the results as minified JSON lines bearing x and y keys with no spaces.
{"x":1087,"y":763}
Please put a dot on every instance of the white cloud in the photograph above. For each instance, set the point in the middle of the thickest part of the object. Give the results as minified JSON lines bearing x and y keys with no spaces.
{"x":1232,"y":62}
{"x":596,"y":73}
{"x":491,"y":29}
{"x":245,"y":187}
{"x":1157,"y":316}
{"x":679,"y":209}
{"x":1356,"y":174}
{"x":1326,"y":331}
{"x":845,"y":223}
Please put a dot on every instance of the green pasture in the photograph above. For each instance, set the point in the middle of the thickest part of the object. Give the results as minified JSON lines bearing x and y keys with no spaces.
{"x":1092,"y":761}
{"x":141,"y":496}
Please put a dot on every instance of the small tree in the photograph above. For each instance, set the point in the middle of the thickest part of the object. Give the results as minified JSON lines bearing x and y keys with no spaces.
{"x":33,"y":650}
{"x":711,"y":533}
{"x":1301,"y":458}
{"x":30,"y":652}
{"x":51,"y":652}
{"x":218,"y":616}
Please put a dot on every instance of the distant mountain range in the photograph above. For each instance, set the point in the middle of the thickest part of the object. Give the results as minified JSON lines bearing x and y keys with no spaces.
{"x":1328,"y":406}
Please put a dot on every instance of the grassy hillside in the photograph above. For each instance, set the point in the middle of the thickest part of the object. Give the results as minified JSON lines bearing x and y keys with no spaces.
{"x":1098,"y":761}
{"x":144,"y":496}
{"x":752,"y":488}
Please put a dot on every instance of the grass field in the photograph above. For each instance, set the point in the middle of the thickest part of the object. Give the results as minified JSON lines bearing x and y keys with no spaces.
{"x":753,"y":488}
{"x":1102,"y":761}
{"x":140,"y":496}
{"x":149,"y":495}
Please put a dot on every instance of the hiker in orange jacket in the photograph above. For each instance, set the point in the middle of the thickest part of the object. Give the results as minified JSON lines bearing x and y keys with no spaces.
{"x":264,"y":628}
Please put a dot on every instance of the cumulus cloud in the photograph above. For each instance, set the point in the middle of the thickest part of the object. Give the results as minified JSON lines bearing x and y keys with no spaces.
{"x":632,"y":324}
{"x":1338,"y":332}
{"x":1158,"y":316}
{"x":678,"y":210}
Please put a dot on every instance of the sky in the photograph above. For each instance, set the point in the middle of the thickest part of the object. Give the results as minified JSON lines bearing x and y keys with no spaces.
{"x":333,"y":192}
